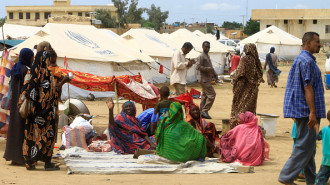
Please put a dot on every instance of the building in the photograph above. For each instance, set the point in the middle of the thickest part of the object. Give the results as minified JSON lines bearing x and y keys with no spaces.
{"x":296,"y":21}
{"x":39,"y":15}
{"x":191,"y":27}
{"x":232,"y":34}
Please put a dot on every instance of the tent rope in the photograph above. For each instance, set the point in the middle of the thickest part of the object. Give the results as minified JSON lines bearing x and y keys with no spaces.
{"x":124,"y":68}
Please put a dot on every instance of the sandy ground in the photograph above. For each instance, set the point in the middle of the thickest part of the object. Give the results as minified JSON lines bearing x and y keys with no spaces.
{"x":270,"y":101}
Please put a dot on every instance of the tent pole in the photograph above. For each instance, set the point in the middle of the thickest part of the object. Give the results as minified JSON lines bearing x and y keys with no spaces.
{"x":116,"y":95}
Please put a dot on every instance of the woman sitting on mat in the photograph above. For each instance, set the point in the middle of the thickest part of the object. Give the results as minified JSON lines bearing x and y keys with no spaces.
{"x":177,"y":140}
{"x":208,"y":130}
{"x":126,"y":131}
{"x":244,"y":143}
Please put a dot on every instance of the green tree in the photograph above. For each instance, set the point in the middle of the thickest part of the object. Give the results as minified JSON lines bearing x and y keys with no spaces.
{"x":231,"y":25}
{"x":156,"y":16}
{"x":209,"y":29}
{"x":252,"y":27}
{"x":148,"y":24}
{"x":108,"y":21}
{"x":121,"y":6}
{"x":134,"y":14}
{"x":2,"y":20}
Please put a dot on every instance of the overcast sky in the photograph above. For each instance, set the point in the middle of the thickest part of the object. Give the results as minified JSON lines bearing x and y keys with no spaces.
{"x":215,"y":11}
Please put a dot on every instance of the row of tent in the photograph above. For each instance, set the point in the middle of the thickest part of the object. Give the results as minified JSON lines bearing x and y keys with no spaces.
{"x":104,"y":53}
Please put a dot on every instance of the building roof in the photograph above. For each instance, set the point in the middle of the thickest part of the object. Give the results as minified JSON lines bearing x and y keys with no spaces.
{"x":11,"y":42}
{"x":290,"y":14}
{"x":59,"y":8}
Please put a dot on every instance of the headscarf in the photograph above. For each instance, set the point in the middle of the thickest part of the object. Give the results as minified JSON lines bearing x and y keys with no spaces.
{"x":272,"y":50}
{"x":175,"y":113}
{"x":250,"y":66}
{"x":44,"y":46}
{"x":129,"y":102}
{"x":25,"y":56}
{"x":248,"y":118}
{"x":199,"y":125}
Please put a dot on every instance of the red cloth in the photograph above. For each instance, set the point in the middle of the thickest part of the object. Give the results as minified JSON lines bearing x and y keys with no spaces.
{"x":244,"y":143}
{"x":234,"y":62}
{"x":98,"y":83}
{"x":161,"y":69}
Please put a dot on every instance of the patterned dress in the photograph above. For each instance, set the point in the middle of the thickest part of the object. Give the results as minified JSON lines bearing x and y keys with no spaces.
{"x":246,"y":83}
{"x":39,"y":133}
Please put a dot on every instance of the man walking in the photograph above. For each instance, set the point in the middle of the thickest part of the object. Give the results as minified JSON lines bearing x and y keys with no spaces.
{"x":205,"y":74}
{"x":179,"y":68}
{"x":304,"y":101}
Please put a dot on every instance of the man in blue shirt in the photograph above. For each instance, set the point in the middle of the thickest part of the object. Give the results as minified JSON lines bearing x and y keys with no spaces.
{"x":146,"y":118}
{"x":304,"y":101}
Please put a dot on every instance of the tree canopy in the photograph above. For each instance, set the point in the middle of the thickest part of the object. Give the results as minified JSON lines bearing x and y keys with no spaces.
{"x":2,"y":21}
{"x":156,"y":16}
{"x":252,"y":27}
{"x":231,"y":25}
{"x":129,"y":12}
{"x":108,"y":20}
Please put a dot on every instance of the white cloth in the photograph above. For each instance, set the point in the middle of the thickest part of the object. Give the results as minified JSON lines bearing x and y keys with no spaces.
{"x":79,"y":121}
{"x":179,"y":68}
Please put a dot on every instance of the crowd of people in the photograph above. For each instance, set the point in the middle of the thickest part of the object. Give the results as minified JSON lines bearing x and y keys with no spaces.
{"x":164,"y":129}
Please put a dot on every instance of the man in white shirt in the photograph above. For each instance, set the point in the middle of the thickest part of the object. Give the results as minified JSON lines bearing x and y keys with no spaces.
{"x":179,"y":68}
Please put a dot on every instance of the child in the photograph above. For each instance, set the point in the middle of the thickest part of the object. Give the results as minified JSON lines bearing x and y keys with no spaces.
{"x":59,"y":79}
{"x":324,"y":172}
{"x":56,"y":72}
{"x":161,"y":108}
{"x":294,"y":135}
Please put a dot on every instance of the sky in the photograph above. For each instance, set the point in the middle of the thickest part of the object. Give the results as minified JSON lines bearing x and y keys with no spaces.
{"x":212,"y":11}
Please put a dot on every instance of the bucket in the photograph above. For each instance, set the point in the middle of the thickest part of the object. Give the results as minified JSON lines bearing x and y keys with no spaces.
{"x":269,"y":125}
{"x":327,"y":81}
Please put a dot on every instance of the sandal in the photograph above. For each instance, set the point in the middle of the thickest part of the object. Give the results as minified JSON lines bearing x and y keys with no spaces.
{"x":52,"y":167}
{"x":31,"y":168}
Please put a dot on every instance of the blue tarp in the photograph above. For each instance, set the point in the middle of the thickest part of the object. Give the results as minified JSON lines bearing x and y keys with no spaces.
{"x":12,"y":42}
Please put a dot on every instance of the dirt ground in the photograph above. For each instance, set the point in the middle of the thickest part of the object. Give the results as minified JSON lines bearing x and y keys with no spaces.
{"x":270,"y":101}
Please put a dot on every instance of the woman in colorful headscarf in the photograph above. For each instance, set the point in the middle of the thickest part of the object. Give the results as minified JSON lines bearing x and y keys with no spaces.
{"x":177,"y":140}
{"x":15,"y":135}
{"x":208,"y":130}
{"x":244,"y":143}
{"x":39,"y":133}
{"x":246,"y":83}
{"x":126,"y":132}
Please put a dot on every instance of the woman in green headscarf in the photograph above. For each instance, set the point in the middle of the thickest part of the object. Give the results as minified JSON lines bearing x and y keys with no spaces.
{"x":177,"y":140}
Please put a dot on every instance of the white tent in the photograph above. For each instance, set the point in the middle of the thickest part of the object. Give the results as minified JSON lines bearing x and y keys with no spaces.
{"x":160,"y":48}
{"x":18,"y":31}
{"x":205,"y":36}
{"x":217,"y":51}
{"x":287,"y":46}
{"x":90,"y":50}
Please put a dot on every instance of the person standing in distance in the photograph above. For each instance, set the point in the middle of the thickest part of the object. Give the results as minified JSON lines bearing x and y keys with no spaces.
{"x":179,"y":68}
{"x":304,"y":101}
{"x":205,"y":74}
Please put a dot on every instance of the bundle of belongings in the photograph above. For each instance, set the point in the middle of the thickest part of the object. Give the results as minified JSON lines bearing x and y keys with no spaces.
{"x":81,"y":133}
